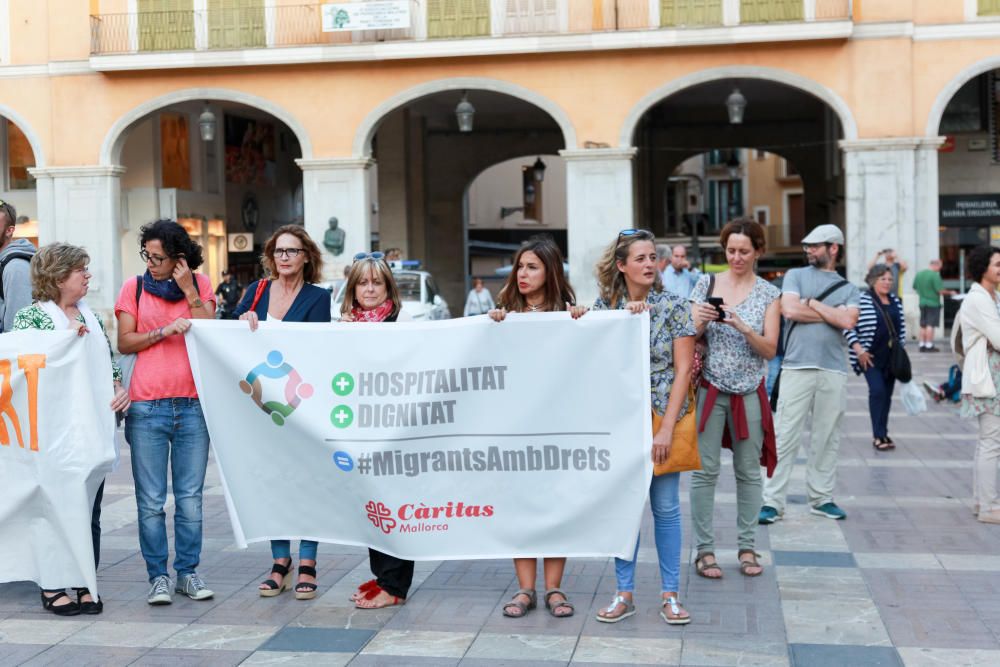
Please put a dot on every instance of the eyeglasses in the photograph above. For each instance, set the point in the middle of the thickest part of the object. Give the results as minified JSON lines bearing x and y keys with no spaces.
{"x":288,"y":252}
{"x":376,"y":256}
{"x":155,"y":260}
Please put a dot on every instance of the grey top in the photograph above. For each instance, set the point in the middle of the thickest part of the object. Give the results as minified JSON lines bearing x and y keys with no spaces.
{"x":16,"y":283}
{"x":731,"y":364}
{"x":817,"y":344}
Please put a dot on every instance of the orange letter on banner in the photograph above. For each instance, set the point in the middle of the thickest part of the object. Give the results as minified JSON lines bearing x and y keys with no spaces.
{"x":7,"y":407}
{"x":30,"y":363}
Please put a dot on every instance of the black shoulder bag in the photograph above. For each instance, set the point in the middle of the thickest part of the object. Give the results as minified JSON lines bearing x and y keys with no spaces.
{"x":899,"y":360}
{"x":791,"y":327}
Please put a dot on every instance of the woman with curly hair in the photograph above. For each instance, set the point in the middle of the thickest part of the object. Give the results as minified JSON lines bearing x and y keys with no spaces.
{"x":629,"y":280}
{"x":59,"y":281}
{"x":293,"y":265}
{"x":165,"y":421}
{"x":536,"y":284}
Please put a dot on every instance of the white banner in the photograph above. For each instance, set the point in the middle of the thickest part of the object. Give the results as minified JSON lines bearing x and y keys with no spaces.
{"x":372,"y":15}
{"x":56,"y":445}
{"x":440,"y":440}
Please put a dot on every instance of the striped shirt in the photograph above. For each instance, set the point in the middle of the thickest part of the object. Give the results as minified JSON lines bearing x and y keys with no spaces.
{"x":870,"y":318}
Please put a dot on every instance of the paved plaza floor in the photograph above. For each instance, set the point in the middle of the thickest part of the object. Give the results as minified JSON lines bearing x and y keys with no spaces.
{"x":910,"y":578}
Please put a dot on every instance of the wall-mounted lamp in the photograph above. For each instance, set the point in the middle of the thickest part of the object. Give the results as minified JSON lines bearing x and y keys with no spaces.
{"x":733,"y":164}
{"x":464,"y":113}
{"x":736,"y":104}
{"x":206,"y":124}
{"x":538,"y":170}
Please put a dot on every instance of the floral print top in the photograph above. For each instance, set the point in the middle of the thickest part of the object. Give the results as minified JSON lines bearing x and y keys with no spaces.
{"x":34,"y":317}
{"x":669,"y":318}
{"x":731,"y":364}
{"x":972,"y":406}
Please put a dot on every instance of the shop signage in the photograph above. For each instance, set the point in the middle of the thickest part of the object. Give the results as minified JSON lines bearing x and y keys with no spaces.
{"x":241,"y":243}
{"x":969,"y":210}
{"x":378,"y":15}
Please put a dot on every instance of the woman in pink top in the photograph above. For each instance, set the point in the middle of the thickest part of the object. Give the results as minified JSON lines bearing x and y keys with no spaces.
{"x":165,"y":421}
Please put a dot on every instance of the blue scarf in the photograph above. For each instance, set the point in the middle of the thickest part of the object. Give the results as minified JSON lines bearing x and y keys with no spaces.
{"x":165,"y":289}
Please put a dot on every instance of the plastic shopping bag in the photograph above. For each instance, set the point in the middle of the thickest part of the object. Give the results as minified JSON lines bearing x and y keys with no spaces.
{"x":913,"y":400}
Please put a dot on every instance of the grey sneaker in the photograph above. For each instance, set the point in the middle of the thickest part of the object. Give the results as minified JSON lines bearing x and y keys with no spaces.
{"x":159,"y":593}
{"x":192,"y":586}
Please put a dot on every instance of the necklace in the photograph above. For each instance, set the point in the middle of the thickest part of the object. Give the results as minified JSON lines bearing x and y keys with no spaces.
{"x":533,"y":308}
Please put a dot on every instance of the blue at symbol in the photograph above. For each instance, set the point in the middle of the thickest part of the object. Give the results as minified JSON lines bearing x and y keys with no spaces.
{"x":343,"y":461}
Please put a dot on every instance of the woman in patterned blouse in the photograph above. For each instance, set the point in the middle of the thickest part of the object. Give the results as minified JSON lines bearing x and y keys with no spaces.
{"x":733,"y":407}
{"x":59,"y":281}
{"x":628,"y":279}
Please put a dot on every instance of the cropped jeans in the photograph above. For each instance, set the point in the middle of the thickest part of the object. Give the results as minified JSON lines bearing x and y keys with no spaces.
{"x":158,"y":431}
{"x":283,"y":549}
{"x":665,"y":502}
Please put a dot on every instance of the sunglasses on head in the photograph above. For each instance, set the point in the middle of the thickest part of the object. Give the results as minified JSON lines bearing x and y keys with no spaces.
{"x":376,"y":256}
{"x":626,"y":233}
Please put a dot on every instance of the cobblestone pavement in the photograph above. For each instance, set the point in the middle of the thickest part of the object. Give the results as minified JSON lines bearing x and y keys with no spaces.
{"x":910,"y":578}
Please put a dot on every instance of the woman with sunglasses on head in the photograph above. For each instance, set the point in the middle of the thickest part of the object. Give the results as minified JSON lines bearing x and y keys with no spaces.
{"x":292,"y":264}
{"x":628,"y":279}
{"x":165,"y":421}
{"x":733,"y":407}
{"x":537,"y":284}
{"x":371,"y":295}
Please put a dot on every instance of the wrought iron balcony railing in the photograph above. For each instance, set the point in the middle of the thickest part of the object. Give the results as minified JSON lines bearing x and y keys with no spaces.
{"x":263,"y":26}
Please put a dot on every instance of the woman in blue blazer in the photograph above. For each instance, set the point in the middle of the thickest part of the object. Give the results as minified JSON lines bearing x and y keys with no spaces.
{"x":293,"y":265}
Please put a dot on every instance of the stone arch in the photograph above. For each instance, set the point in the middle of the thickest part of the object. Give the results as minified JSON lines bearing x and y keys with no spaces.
{"x":114,"y":140}
{"x":817,"y":90}
{"x":362,"y":145}
{"x":954,"y":84}
{"x":22,"y":124}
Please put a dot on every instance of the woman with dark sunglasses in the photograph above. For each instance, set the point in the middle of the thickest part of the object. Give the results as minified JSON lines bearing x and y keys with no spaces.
{"x":371,"y":295}
{"x":628,"y":279}
{"x":537,"y":283}
{"x":292,"y":264}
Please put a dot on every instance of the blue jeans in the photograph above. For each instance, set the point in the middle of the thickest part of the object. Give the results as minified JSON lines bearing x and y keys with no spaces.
{"x":880,"y":386}
{"x":773,"y":368}
{"x":174,"y":429}
{"x":283,"y":549}
{"x":665,"y":501}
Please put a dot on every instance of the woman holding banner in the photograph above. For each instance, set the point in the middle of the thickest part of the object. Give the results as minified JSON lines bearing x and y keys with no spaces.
{"x":371,"y":295}
{"x":537,"y":284}
{"x":733,"y":406}
{"x":628,"y":279}
{"x":165,"y":421}
{"x":59,"y":281}
{"x":293,"y":265}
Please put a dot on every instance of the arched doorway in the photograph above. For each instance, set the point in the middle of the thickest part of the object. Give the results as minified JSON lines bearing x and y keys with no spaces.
{"x":780,"y":163}
{"x":224,"y":169}
{"x":968,"y":186}
{"x":19,"y":155}
{"x":424,"y":164}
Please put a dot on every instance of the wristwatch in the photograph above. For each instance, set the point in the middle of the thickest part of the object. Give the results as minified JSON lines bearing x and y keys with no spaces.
{"x":197,"y":303}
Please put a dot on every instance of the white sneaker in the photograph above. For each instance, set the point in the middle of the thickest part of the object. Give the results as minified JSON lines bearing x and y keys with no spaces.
{"x":192,"y":586}
{"x":159,"y":593}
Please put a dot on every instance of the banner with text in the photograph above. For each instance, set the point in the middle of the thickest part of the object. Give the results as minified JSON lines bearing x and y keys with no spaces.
{"x":56,"y":445}
{"x":371,"y":15}
{"x":440,"y":440}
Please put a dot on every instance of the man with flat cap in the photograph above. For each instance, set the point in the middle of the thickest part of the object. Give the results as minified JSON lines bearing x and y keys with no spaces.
{"x":817,"y":305}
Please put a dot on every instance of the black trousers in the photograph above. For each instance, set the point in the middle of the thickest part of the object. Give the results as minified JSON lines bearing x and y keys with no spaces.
{"x":95,"y":528}
{"x":393,"y":574}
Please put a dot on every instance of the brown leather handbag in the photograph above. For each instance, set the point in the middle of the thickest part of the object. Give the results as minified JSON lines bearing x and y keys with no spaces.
{"x":684,"y":448}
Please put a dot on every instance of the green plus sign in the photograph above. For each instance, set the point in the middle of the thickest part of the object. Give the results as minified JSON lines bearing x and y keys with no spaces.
{"x":341,"y":416}
{"x":343,"y":384}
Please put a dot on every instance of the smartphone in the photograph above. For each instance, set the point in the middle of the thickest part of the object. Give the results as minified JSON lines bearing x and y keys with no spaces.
{"x":716,"y":302}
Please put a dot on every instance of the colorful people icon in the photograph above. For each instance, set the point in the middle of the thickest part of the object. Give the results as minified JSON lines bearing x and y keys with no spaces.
{"x":276,"y":368}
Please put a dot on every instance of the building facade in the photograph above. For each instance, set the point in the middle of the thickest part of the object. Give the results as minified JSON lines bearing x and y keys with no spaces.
{"x":323,"y":111}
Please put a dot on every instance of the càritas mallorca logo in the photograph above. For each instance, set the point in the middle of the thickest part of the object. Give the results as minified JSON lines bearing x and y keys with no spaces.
{"x":418,"y":517}
{"x":276,"y":368}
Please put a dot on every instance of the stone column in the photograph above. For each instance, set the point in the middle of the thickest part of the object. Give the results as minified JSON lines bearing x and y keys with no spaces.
{"x":82,"y":206}
{"x":598,"y":205}
{"x":338,"y":187}
{"x":892,"y":190}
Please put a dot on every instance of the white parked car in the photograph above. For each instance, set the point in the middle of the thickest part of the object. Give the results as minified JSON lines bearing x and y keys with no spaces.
{"x":419,"y":293}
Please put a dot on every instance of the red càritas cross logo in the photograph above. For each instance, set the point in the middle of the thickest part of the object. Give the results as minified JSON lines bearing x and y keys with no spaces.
{"x":380,"y":516}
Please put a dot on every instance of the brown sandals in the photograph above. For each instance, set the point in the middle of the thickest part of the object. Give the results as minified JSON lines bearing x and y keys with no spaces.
{"x":516,"y":609}
{"x":745,"y":565}
{"x":702,"y":568}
